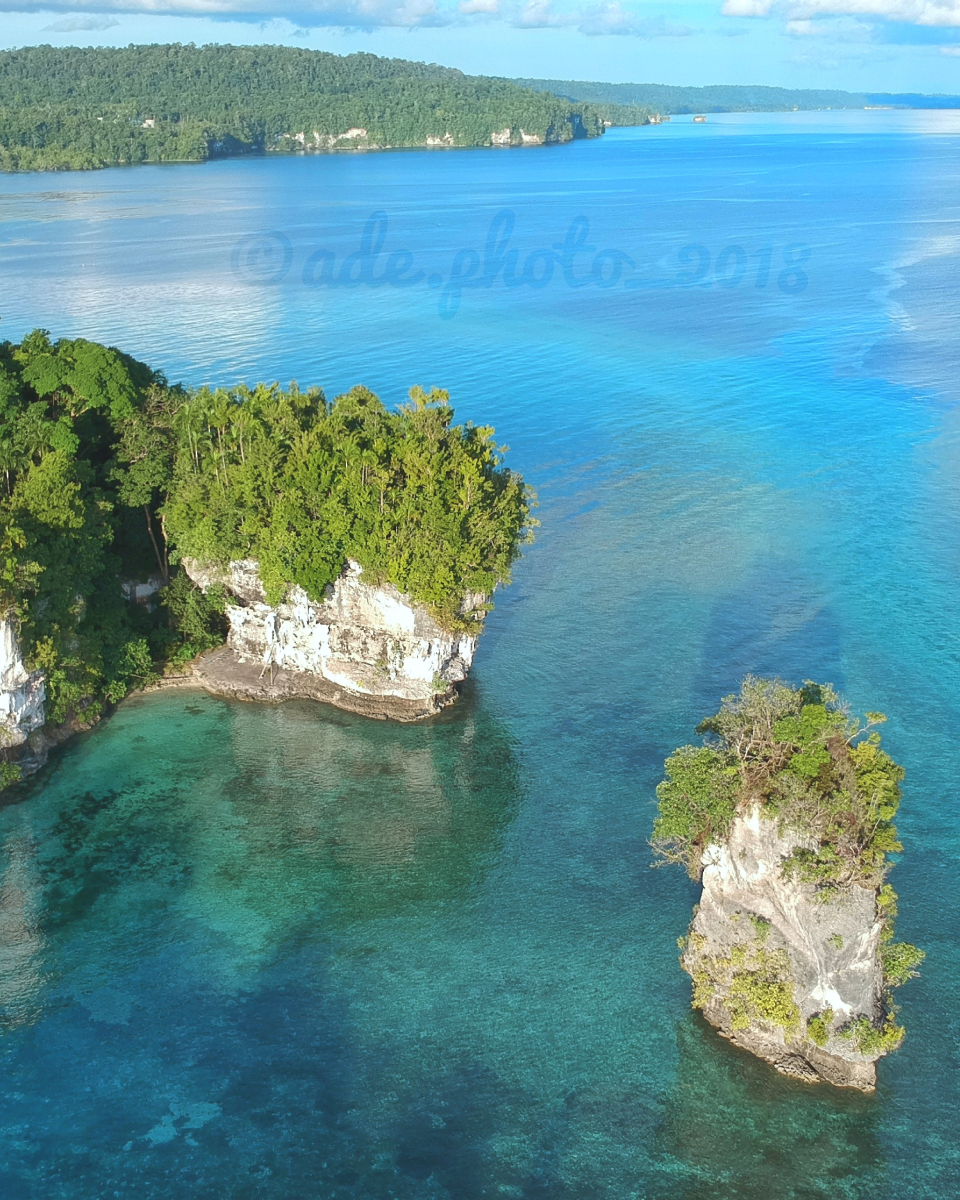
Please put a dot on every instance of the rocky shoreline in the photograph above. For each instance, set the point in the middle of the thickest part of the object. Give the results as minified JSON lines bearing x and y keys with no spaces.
{"x":365,"y":648}
{"x":222,"y":672}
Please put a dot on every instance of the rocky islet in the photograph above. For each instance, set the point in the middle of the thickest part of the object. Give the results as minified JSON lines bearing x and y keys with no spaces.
{"x":785,"y":815}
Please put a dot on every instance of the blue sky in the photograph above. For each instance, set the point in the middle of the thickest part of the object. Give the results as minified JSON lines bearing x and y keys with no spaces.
{"x":873,"y":45}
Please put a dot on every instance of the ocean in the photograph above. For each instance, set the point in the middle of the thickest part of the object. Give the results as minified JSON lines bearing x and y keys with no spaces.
{"x":290,"y":954}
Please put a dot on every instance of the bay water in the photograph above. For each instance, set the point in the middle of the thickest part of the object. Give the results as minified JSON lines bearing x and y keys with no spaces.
{"x":289,"y":953}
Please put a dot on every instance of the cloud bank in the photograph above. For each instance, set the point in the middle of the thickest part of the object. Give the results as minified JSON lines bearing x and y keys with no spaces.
{"x":606,"y":18}
{"x":81,"y":24}
{"x":944,"y":13}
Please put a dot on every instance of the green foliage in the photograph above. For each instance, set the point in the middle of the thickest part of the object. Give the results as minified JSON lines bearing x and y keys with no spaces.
{"x":900,"y":960}
{"x":797,"y":754}
{"x":887,"y":910}
{"x":302,"y":485}
{"x":704,"y":989}
{"x":60,"y":410}
{"x":836,"y":941}
{"x":73,"y":108}
{"x":667,"y":98}
{"x":754,"y":984}
{"x":761,"y":928}
{"x":697,"y":803}
{"x":873,"y":1039}
{"x":808,"y":732}
{"x":9,"y":774}
{"x":819,"y":1026}
{"x":196,"y":618}
{"x":763,"y":990}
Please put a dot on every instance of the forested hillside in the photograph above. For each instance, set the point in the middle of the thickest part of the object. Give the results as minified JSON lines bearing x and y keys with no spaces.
{"x":78,"y":107}
{"x":621,"y":102}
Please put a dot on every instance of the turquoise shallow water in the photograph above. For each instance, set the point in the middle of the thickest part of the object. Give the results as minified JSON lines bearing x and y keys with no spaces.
{"x":285,"y":953}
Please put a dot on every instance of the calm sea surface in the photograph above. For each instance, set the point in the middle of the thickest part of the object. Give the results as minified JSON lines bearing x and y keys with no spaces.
{"x":290,"y":954}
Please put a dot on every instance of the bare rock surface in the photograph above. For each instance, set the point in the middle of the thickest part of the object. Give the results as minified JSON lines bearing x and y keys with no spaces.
{"x":222,"y":673}
{"x":22,"y":692}
{"x":821,"y":958}
{"x":366,"y":648}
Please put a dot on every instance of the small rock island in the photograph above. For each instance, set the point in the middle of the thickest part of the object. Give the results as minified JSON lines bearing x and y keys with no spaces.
{"x":785,"y":813}
{"x":261,"y":542}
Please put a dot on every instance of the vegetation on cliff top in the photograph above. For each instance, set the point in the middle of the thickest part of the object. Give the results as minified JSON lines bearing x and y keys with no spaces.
{"x":301,"y":485}
{"x":65,"y":539}
{"x":85,"y":107}
{"x":799,"y":755}
{"x":107,"y":472}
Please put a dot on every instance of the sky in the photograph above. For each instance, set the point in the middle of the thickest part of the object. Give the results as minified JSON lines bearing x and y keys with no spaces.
{"x":858,"y":45}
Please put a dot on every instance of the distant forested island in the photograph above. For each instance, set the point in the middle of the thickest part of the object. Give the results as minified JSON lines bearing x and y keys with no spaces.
{"x":620,"y":102}
{"x":87,"y":107}
{"x":80,"y":108}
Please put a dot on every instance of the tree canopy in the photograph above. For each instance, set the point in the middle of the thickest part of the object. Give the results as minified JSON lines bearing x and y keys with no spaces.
{"x":301,"y":485}
{"x":723,"y":97}
{"x":799,"y":755}
{"x":86,"y":107}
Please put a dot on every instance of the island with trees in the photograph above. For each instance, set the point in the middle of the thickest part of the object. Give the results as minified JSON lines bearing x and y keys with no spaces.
{"x":87,"y":107}
{"x":786,"y":812}
{"x":626,"y":103}
{"x":340,"y":550}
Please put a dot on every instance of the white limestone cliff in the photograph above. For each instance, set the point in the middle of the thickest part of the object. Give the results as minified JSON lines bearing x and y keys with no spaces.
{"x":813,"y":960}
{"x":22,"y":693}
{"x":382,"y":653}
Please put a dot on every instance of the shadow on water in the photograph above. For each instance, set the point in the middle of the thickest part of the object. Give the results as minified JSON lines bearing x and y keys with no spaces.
{"x":733,"y":1129}
{"x":194,"y":1094}
{"x":775,"y":625}
{"x":382,"y":816}
{"x":256,"y":820}
{"x":470,"y":1133}
{"x":184,"y":898}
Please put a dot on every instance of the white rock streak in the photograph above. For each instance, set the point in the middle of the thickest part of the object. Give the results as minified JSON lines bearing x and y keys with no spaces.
{"x":22,"y":692}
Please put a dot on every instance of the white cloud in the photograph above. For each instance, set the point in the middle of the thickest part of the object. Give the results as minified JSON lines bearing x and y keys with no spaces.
{"x":613,"y":18}
{"x":595,"y":20}
{"x":910,"y":12}
{"x":76,"y":24}
{"x":840,"y":29}
{"x":349,"y":14}
{"x":538,"y":14}
{"x":746,"y":8}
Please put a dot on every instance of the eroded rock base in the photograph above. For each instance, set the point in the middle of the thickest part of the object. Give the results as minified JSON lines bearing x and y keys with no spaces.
{"x":222,"y":673}
{"x":803,"y":1060}
{"x":30,"y":756}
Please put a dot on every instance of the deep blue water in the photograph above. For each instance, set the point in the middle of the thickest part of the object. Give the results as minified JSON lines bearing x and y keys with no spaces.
{"x":286,"y":953}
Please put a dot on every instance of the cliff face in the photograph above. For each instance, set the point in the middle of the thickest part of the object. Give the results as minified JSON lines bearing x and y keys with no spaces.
{"x":366,"y":648}
{"x":22,"y":692}
{"x":778,"y":970}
